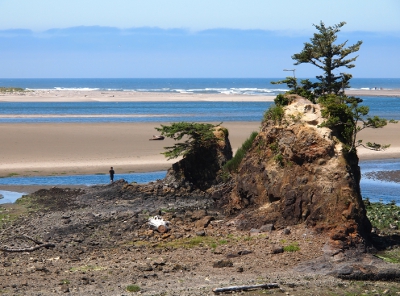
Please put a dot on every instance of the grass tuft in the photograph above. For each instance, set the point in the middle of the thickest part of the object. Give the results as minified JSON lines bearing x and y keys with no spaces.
{"x":133,"y":288}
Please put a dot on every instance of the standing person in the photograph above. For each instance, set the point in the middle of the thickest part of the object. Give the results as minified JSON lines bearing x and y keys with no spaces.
{"x":112,"y":172}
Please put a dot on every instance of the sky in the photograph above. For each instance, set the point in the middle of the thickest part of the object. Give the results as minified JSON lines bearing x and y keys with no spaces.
{"x":187,"y":38}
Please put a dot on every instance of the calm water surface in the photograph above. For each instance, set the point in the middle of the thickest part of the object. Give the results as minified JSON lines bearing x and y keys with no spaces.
{"x":375,"y":190}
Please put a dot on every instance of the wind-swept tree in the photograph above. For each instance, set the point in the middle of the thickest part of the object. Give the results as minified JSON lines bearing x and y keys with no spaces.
{"x":323,"y":53}
{"x":197,"y":136}
{"x":345,"y":114}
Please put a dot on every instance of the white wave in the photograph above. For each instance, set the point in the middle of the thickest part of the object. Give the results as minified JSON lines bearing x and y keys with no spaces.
{"x":87,"y":115}
{"x":76,"y":89}
{"x":216,"y":89}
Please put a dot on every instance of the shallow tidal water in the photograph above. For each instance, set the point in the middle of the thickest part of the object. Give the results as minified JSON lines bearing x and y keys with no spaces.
{"x":374,"y":189}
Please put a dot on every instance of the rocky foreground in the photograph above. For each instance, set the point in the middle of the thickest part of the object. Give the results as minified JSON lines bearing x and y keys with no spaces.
{"x":97,"y":241}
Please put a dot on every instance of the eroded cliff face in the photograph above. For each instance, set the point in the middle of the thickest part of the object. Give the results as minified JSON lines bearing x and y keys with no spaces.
{"x":296,"y":173}
{"x":200,"y":169}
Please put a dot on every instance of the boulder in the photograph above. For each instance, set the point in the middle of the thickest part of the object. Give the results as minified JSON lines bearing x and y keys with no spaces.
{"x":200,"y":170}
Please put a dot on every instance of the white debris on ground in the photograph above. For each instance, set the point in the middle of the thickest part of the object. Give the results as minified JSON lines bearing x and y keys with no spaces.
{"x":159,"y":224}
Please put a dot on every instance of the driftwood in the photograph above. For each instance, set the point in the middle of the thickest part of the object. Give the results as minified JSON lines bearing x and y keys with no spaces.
{"x":159,"y":224}
{"x":157,"y":138}
{"x":29,"y":249}
{"x":245,"y":288}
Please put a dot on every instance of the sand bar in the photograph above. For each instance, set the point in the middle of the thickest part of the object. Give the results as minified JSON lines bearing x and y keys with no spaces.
{"x":82,"y":148}
{"x":374,"y":92}
{"x":125,"y":96}
{"x":133,"y":96}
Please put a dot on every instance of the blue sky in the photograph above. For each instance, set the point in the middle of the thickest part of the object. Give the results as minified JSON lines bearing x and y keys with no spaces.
{"x":176,"y":38}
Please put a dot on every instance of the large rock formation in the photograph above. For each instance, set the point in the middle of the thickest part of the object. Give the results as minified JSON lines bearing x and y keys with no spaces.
{"x":296,"y":172}
{"x":200,"y":169}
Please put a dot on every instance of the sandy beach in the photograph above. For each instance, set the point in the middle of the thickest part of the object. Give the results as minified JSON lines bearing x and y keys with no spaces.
{"x":91,"y":148}
{"x":125,"y":96}
{"x":133,"y":96}
{"x":81,"y":148}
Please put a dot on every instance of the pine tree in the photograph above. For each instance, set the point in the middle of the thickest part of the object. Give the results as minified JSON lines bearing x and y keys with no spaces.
{"x":323,"y":53}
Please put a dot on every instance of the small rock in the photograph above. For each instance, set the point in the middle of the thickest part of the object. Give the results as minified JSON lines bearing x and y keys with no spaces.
{"x":165,"y":235}
{"x":277,"y":250}
{"x":223,"y":263}
{"x":203,"y":222}
{"x":201,"y":233}
{"x":239,"y":269}
{"x":146,"y":267}
{"x":244,"y":252}
{"x":197,"y":215}
{"x":286,"y":231}
{"x":267,"y":228}
{"x":254,"y":232}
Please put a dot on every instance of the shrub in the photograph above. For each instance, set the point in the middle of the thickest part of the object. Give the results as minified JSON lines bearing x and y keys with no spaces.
{"x":275,"y":113}
{"x":233,"y":164}
{"x":291,"y":248}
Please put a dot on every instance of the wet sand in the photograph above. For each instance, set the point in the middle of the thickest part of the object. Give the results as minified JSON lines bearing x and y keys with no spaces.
{"x":90,"y":148}
{"x":82,"y":148}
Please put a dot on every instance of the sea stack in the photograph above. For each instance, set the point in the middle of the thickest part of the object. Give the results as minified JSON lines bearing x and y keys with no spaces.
{"x":298,"y":173}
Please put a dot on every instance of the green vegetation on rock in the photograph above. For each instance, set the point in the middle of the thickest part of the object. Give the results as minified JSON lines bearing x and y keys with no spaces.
{"x":197,"y":136}
{"x":233,"y":164}
{"x":343,"y":114}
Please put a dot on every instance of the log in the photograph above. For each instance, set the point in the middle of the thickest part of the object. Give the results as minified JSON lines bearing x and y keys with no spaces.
{"x":29,"y":249}
{"x":245,"y":288}
{"x":159,"y":224}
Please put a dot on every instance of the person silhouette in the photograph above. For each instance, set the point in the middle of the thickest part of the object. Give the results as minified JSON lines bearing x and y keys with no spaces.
{"x":112,"y":172}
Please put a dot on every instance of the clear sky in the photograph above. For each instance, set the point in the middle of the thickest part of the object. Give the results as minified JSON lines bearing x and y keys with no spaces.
{"x":191,"y":49}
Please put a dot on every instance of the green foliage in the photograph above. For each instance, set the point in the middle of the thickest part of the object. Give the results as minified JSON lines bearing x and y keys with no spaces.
{"x":233,"y":164}
{"x":197,"y":135}
{"x":304,"y":90}
{"x":294,"y":247}
{"x":323,"y":53}
{"x":282,"y":100}
{"x":279,"y":159}
{"x":133,"y":288}
{"x":275,"y":113}
{"x":348,"y":118}
{"x":65,"y":282}
{"x":11,"y":89}
{"x":383,"y":215}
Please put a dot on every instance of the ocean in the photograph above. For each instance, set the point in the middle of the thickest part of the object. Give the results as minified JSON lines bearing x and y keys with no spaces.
{"x":248,"y":86}
{"x":14,"y":112}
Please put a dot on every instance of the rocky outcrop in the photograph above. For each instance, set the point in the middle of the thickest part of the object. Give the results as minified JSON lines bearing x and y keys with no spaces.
{"x":200,"y":169}
{"x":296,"y":172}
